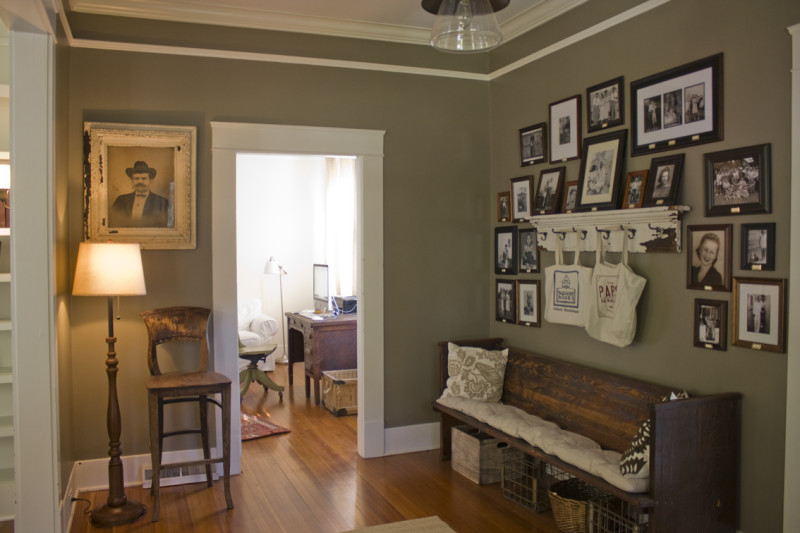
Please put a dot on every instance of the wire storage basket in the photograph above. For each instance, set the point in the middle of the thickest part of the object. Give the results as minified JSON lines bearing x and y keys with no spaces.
{"x":613,"y":515}
{"x":570,"y":501}
{"x":525,"y":479}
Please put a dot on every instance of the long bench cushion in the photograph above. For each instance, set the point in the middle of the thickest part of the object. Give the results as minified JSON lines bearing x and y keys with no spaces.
{"x":570,"y":447}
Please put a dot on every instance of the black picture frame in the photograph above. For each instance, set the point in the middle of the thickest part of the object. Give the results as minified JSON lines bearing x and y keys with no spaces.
{"x":528,"y":251}
{"x":635,"y":186}
{"x":529,"y":303}
{"x":565,"y":129}
{"x":599,"y":181}
{"x":570,"y":200}
{"x":533,"y":144}
{"x":758,"y":319}
{"x":505,"y":250}
{"x":605,"y":105}
{"x":664,"y":179}
{"x":702,"y":241}
{"x":548,"y":192}
{"x":678,"y":107}
{"x":504,"y":206}
{"x":711,"y":324}
{"x":506,"y":301}
{"x":757,"y":246}
{"x":521,"y":198}
{"x":738,"y":181}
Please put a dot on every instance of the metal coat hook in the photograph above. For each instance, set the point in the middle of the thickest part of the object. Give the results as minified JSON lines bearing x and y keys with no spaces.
{"x":583,"y":233}
{"x":606,"y":232}
{"x":561,"y":234}
{"x":659,"y":231}
{"x":631,"y":233}
{"x":542,"y":235}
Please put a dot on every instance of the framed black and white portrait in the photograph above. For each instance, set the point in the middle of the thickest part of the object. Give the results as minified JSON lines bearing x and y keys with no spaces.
{"x":570,"y":197}
{"x":757,"y":246}
{"x":758,"y":314}
{"x":709,"y":258}
{"x":710,"y":324}
{"x":505,"y":250}
{"x":601,"y":171}
{"x":506,"y":301}
{"x":605,"y":105}
{"x":528,"y":308}
{"x":533,"y":144}
{"x":528,"y":251}
{"x":503,"y":206}
{"x":664,"y":180}
{"x":548,"y":193}
{"x":521,"y":195}
{"x":738,"y":181}
{"x":634,"y":189}
{"x":565,"y":129}
{"x":140,"y":184}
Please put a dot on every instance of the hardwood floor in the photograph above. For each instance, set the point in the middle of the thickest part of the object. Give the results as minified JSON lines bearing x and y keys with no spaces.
{"x":312,"y":480}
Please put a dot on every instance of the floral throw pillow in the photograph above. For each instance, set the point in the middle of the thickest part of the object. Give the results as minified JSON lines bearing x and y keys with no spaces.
{"x":635,"y":462}
{"x":475,"y":373}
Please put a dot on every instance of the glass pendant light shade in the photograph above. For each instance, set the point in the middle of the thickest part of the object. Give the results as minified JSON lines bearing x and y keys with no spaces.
{"x":465,"y":26}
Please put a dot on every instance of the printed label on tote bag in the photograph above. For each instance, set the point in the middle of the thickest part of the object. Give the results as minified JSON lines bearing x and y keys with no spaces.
{"x":606,"y":295}
{"x":566,"y":296}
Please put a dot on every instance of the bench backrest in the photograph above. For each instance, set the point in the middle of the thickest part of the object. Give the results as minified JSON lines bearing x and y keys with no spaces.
{"x":607,"y":408}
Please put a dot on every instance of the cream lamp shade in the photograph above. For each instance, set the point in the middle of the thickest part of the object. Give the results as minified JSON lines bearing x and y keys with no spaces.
{"x":272,"y":266}
{"x":109,"y":269}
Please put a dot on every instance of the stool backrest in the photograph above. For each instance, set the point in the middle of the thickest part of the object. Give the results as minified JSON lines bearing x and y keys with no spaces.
{"x":176,"y":324}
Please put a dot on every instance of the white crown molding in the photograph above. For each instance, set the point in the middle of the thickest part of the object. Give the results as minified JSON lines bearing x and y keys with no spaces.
{"x":537,"y":15}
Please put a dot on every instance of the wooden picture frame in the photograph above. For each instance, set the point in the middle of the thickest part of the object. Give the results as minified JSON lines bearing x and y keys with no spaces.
{"x":529,"y":303}
{"x":757,"y":246}
{"x":601,"y":171}
{"x":605,"y":105}
{"x":709,"y":265}
{"x":548,"y":192}
{"x":157,"y":160}
{"x":664,"y":180}
{"x":533,"y":144}
{"x":506,"y":301}
{"x":678,"y":107}
{"x":570,"y":201}
{"x":711,"y":324}
{"x":528,"y":251}
{"x":738,"y":181}
{"x":5,"y":197}
{"x":758,"y":314}
{"x":635,"y":186}
{"x":521,"y":198}
{"x":504,"y":206}
{"x":505,"y":250}
{"x":565,"y":129}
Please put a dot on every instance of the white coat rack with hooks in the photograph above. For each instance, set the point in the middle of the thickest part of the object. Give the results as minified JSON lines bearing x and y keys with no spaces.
{"x":649,"y":229}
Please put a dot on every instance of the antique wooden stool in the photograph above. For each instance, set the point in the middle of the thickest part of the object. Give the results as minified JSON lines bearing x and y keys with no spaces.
{"x":252,"y":373}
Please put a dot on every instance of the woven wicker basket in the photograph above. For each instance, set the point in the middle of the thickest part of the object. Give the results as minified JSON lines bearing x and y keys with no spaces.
{"x":569,"y":500}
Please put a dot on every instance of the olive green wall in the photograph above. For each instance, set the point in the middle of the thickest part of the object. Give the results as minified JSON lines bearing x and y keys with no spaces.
{"x":756,"y":83}
{"x":435,"y":211}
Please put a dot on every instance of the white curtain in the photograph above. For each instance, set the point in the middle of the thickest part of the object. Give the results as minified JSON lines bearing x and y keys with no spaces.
{"x":341,"y":222}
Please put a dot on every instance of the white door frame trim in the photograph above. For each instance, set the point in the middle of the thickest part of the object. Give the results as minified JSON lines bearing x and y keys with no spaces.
{"x":228,"y":138}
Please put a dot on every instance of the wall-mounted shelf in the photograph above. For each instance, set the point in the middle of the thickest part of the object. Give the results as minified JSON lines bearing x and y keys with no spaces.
{"x":649,"y":229}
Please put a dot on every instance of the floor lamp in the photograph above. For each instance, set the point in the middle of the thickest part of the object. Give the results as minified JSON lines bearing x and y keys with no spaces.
{"x":111,"y":269}
{"x":272,"y":267}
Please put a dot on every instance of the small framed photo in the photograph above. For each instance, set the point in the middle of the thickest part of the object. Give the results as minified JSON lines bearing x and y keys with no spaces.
{"x":548,"y":194}
{"x":757,"y":246}
{"x":678,"y":107}
{"x":5,"y":187}
{"x":140,"y":184}
{"x":521,"y":194}
{"x":605,"y":104}
{"x":710,"y":324}
{"x":570,"y":197}
{"x":634,"y":189}
{"x":503,"y":207}
{"x":505,"y":250}
{"x":709,"y":257}
{"x":528,"y":310}
{"x":664,"y":180}
{"x":506,"y":301}
{"x":738,"y":181}
{"x":601,"y":171}
{"x":529,"y":251}
{"x":565,"y":129}
{"x":758,"y":307}
{"x":533,"y":144}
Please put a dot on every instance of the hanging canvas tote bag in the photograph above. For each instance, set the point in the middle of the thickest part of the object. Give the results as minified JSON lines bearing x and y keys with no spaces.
{"x":611,"y":313}
{"x":566,"y":290}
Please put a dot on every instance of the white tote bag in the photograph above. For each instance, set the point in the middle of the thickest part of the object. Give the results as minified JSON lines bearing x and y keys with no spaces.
{"x":611,"y":314}
{"x":566,"y":290}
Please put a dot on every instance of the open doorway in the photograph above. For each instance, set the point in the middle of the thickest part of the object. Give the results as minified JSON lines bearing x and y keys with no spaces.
{"x":231,"y":139}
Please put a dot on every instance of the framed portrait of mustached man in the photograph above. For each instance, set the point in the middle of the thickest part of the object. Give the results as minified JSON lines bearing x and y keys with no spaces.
{"x":139,"y":184}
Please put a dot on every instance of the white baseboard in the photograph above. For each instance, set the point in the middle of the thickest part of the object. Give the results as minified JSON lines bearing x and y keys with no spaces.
{"x":410,"y":439}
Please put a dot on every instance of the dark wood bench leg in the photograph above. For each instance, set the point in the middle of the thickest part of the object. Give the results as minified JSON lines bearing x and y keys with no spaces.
{"x":446,"y":427}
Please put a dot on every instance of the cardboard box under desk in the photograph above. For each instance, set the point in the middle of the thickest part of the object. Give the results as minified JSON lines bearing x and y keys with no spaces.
{"x":339,"y":391}
{"x":476,"y":455}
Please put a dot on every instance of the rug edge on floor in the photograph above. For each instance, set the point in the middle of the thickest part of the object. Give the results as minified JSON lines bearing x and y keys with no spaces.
{"x":430,"y":524}
{"x":248,"y":432}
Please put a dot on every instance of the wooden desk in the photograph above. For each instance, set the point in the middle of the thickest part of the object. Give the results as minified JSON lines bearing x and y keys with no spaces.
{"x":328,"y":344}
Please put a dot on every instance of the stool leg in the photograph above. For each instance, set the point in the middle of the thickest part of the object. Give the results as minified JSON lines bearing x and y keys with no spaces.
{"x":154,"y":405}
{"x":203,"y":403}
{"x":226,"y":443}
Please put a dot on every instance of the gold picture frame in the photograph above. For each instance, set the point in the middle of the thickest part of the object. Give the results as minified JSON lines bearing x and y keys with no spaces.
{"x":156,"y":161}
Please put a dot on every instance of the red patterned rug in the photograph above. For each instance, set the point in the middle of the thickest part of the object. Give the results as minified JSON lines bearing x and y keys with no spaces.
{"x":255,"y":428}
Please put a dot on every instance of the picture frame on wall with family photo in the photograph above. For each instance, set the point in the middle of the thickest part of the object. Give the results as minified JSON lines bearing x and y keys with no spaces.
{"x":600,"y":177}
{"x":605,"y":105}
{"x":565,"y":129}
{"x":709,"y":259}
{"x":739,"y":181}
{"x":664,"y":180}
{"x":758,"y":314}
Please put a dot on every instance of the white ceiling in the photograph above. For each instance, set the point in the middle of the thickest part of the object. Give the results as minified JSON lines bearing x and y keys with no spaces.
{"x":388,"y":20}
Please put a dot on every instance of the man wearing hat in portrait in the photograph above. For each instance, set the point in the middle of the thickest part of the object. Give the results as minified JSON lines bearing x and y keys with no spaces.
{"x":141,"y":208}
